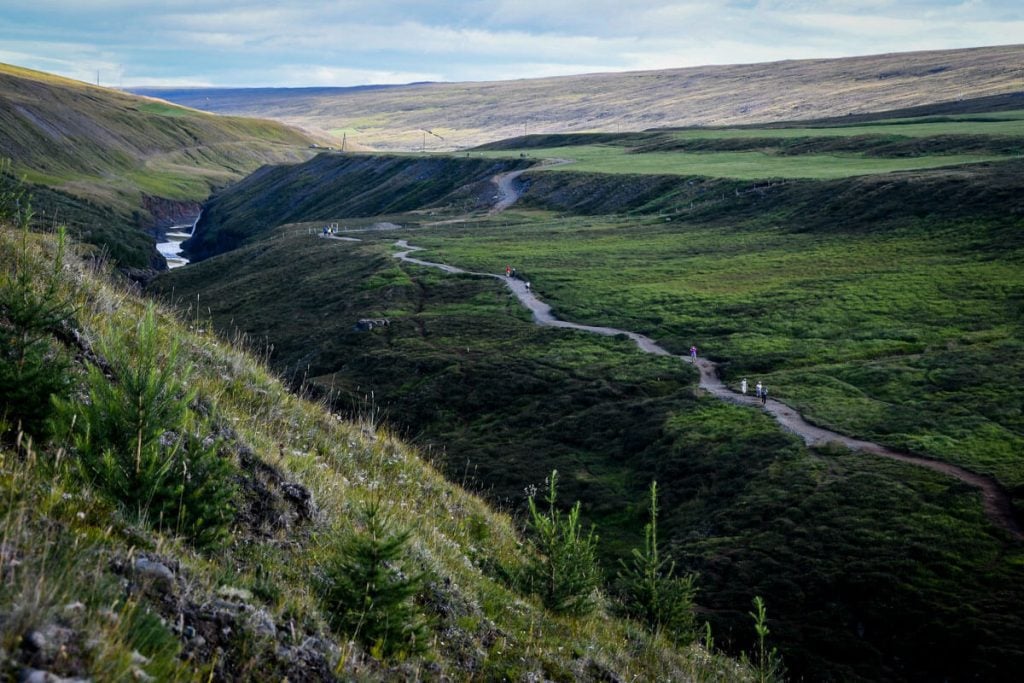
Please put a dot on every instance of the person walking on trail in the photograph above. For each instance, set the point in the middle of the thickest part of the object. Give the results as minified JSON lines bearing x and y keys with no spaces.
{"x":743,"y":386}
{"x":508,"y":271}
{"x":527,"y":286}
{"x":693,"y":354}
{"x":757,"y":389}
{"x":764,"y":395}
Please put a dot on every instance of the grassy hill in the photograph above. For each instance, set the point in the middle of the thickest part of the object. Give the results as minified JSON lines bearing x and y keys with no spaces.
{"x":134,"y":158}
{"x":470,"y":114}
{"x":883,"y":305}
{"x":201,"y":542}
{"x":336,"y":186}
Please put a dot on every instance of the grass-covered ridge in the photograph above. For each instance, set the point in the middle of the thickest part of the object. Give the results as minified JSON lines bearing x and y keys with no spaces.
{"x":98,"y":147}
{"x":469,"y":114}
{"x":335,"y":186}
{"x":97,"y":587}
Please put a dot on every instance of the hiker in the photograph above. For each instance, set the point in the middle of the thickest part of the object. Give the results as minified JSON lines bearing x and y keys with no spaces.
{"x":764,"y":395}
{"x":508,"y":271}
{"x":513,"y":273}
{"x":743,"y":386}
{"x":758,"y":389}
{"x":693,"y":354}
{"x":325,"y":231}
{"x":527,"y":286}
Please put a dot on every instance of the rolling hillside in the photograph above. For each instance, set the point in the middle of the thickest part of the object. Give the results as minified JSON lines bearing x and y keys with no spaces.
{"x":875,"y":289}
{"x":140,"y":161}
{"x":335,"y":186}
{"x":469,"y":114}
{"x":215,"y":559}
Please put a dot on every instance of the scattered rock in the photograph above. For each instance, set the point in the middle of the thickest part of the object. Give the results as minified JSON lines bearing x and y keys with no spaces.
{"x":232,"y":593}
{"x":38,"y":676}
{"x":155,"y":571}
{"x":45,"y":643}
{"x":270,"y":503}
{"x":262,"y":624}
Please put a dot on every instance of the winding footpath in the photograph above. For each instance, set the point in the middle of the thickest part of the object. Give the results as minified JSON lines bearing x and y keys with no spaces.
{"x":997,"y":503}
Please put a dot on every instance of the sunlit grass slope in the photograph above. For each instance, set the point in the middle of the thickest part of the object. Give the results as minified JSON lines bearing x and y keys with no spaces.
{"x":98,"y":147}
{"x":469,"y":114}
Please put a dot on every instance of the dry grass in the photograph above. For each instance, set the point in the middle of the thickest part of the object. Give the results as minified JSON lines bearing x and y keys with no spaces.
{"x":469,"y":114}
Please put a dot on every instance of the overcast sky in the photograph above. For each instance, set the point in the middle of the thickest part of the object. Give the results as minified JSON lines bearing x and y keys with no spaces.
{"x":356,"y":42}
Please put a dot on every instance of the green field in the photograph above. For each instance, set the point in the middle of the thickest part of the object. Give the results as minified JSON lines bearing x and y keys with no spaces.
{"x":1009,"y":123}
{"x":865,"y":333}
{"x":741,"y":165}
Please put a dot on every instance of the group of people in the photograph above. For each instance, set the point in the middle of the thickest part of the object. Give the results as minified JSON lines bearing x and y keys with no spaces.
{"x":760,"y":391}
{"x":511,"y":272}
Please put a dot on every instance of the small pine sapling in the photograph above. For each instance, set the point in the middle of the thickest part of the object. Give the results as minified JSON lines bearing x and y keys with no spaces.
{"x":138,"y":441}
{"x":33,"y":366}
{"x":563,"y":570}
{"x":367,"y":594}
{"x":651,"y":591}
{"x":767,"y":662}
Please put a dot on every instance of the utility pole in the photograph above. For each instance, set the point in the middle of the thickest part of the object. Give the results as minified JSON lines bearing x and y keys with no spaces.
{"x":344,"y":136}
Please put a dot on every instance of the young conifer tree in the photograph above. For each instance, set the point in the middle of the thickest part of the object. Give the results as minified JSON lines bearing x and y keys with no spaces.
{"x":651,"y":591}
{"x":138,"y":441}
{"x":564,"y":569}
{"x":368,"y":594}
{"x":33,"y":306}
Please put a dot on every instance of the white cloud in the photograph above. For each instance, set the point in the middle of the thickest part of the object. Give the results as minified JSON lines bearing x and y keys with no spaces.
{"x":346,"y":42}
{"x":320,"y":75}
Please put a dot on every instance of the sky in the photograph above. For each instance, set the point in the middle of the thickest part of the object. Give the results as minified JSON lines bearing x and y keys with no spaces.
{"x":260,"y":43}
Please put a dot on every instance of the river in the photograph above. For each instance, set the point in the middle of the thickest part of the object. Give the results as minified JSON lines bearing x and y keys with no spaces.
{"x":171,"y":248}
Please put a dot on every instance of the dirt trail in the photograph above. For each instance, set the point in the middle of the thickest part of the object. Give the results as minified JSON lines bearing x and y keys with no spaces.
{"x":997,"y":503}
{"x":508,"y":193}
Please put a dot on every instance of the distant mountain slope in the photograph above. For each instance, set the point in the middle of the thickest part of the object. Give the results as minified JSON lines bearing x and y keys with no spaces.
{"x":467,"y":114}
{"x":133,"y":157}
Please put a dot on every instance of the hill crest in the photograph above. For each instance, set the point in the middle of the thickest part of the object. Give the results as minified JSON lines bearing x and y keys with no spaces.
{"x":468,"y":114}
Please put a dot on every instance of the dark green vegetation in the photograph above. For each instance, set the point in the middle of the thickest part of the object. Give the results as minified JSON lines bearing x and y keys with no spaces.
{"x":347,"y":557}
{"x":334,"y":186}
{"x":499,"y":401}
{"x":467,"y":114}
{"x":111,"y":165}
{"x":887,"y":306}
